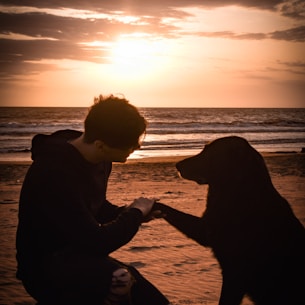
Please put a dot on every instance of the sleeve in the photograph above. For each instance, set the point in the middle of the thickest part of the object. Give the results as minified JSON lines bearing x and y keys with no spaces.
{"x":66,"y":215}
{"x":108,"y":212}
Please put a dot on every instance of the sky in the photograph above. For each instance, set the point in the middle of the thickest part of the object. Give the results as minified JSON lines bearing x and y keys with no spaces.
{"x":159,"y":53}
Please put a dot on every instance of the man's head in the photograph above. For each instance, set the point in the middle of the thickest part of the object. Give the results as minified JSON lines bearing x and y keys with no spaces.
{"x":115,"y":124}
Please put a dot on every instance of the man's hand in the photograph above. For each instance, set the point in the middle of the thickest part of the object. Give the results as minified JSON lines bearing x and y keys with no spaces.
{"x":143,"y":204}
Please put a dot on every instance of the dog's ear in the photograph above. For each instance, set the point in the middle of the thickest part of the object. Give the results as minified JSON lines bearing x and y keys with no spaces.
{"x":247,"y":163}
{"x":235,"y":161}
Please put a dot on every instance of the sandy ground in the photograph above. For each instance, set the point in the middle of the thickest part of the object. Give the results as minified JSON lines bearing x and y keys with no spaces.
{"x":184,"y":271}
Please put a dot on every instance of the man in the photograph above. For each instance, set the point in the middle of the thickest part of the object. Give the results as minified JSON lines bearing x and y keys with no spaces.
{"x":67,"y":228}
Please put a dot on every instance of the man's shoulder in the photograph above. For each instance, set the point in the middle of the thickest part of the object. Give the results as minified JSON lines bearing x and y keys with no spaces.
{"x":67,"y":134}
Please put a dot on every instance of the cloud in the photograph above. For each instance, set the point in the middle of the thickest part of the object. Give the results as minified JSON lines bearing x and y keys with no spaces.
{"x":231,"y":35}
{"x":34,"y":30}
{"x":75,"y":29}
{"x":22,"y":50}
{"x":137,"y":4}
{"x":296,"y":34}
{"x":9,"y":70}
{"x":293,"y":9}
{"x":157,"y":9}
{"x":295,"y":67}
{"x":35,"y":36}
{"x":294,"y":64}
{"x":50,"y":26}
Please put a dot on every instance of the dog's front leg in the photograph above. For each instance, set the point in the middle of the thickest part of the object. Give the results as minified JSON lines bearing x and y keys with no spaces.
{"x":190,"y":225}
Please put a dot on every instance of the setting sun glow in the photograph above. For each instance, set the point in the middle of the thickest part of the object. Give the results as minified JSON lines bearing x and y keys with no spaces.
{"x":157,"y":53}
{"x":137,"y":57}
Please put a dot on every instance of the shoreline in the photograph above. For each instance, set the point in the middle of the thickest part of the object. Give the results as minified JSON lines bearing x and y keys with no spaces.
{"x":163,"y":159}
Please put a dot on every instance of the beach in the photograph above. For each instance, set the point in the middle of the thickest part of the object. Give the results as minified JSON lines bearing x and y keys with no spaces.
{"x":184,"y":271}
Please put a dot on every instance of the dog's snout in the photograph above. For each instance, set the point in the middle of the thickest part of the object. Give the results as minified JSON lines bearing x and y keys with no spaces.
{"x":178,"y":166}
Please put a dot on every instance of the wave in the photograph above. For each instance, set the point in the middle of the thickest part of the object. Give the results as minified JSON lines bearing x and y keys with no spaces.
{"x":169,"y":129}
{"x":223,"y":129}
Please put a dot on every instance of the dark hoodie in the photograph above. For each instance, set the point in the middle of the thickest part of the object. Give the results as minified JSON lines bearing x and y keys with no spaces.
{"x":63,"y":204}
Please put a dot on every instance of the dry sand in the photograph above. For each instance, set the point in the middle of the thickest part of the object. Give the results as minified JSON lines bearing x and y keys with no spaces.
{"x":184,"y":271}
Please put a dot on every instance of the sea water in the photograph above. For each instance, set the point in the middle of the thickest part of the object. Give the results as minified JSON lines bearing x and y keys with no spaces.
{"x":171,"y":131}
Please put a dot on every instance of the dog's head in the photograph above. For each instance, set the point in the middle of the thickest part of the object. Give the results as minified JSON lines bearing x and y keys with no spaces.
{"x":228,"y":160}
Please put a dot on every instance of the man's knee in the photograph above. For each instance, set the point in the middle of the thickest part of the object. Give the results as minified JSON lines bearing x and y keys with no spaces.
{"x":122,"y":281}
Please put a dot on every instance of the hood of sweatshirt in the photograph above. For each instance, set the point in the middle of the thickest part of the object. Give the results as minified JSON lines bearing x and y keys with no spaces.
{"x":54,"y":152}
{"x":55,"y":146}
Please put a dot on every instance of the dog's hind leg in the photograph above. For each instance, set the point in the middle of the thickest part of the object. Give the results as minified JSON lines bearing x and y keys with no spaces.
{"x":231,"y":293}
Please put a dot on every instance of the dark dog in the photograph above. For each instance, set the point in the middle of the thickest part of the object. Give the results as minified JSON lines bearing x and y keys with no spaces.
{"x":253,"y":232}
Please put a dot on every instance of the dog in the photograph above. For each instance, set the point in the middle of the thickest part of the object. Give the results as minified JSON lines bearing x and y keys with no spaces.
{"x":251,"y":229}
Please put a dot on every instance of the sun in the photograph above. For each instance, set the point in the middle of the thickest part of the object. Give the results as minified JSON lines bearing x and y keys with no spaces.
{"x":130,"y":50}
{"x":137,"y":56}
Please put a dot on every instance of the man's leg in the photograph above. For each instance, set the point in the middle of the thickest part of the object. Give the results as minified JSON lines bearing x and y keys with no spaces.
{"x":130,"y":287}
{"x":84,"y":279}
{"x":71,"y":278}
{"x":144,"y":292}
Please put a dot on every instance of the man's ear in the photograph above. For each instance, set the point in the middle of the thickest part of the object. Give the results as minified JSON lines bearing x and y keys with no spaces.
{"x":99,"y":144}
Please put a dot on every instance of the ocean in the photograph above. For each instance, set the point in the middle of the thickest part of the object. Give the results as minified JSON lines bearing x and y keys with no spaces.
{"x":171,"y":131}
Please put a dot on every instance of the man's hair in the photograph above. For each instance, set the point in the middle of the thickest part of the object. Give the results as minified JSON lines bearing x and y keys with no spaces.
{"x":114,"y":121}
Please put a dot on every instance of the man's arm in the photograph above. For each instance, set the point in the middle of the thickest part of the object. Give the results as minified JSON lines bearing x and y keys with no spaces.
{"x":109,"y":212}
{"x":64,"y":213}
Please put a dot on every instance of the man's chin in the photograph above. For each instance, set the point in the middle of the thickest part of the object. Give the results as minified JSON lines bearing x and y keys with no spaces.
{"x":121,"y":160}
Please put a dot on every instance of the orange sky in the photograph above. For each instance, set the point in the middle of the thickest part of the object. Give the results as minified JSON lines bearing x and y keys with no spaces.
{"x":168,"y":53}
